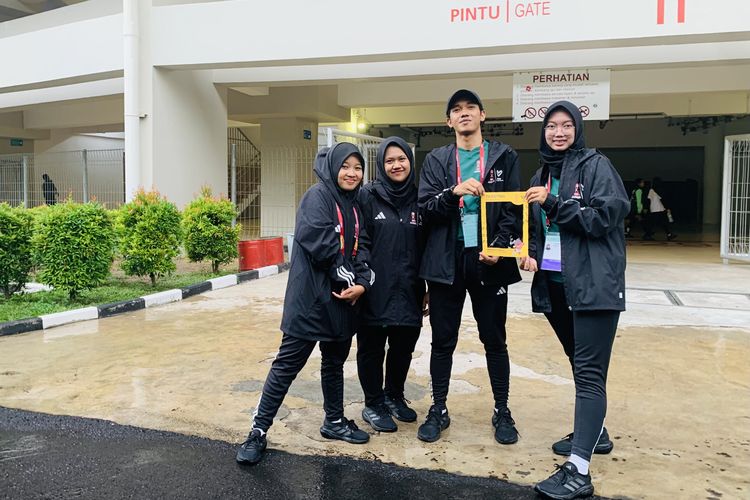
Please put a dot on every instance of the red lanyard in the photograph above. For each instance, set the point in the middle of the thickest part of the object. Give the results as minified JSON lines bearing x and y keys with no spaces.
{"x":356,"y":230}
{"x":549,"y":189}
{"x":458,"y":170}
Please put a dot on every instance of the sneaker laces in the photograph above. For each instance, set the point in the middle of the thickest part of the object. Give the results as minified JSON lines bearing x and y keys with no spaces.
{"x":350,"y":424}
{"x":563,"y":473}
{"x":434,"y":416}
{"x":254,"y":437}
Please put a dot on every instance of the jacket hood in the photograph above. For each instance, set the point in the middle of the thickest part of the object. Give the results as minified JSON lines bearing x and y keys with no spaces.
{"x":395,"y":192}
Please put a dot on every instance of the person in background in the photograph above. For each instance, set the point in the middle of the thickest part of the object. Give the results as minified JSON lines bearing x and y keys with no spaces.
{"x":392,"y":309}
{"x":327,"y":277}
{"x":577,"y":251}
{"x":49,"y":190}
{"x":453,"y":178}
{"x":637,"y":208}
{"x":659,"y":215}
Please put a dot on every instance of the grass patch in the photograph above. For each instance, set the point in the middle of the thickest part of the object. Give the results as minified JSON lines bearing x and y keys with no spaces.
{"x":114,"y":289}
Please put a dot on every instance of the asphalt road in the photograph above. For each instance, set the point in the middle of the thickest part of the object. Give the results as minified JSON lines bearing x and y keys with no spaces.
{"x":60,"y":457}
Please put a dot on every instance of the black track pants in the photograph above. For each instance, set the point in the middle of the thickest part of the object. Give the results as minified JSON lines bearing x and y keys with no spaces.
{"x":587,"y":338}
{"x":292,"y":356}
{"x":489,"y":305}
{"x":371,"y":353}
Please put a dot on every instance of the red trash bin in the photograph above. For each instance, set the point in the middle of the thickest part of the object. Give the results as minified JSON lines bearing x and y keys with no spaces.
{"x":274,"y":248}
{"x":252,"y":254}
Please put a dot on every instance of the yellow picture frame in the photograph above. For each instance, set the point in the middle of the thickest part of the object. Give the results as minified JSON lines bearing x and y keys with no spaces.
{"x":517,"y":198}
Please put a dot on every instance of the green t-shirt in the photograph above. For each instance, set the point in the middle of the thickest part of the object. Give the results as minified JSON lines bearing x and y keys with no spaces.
{"x":469,"y":160}
{"x":553,"y":228}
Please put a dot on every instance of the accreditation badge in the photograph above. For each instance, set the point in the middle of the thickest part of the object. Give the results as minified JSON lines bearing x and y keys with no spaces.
{"x":552,"y":254}
{"x":470,"y":226}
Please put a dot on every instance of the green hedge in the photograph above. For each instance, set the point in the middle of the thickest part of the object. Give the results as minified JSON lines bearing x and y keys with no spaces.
{"x":74,"y":246}
{"x":209,"y":235}
{"x":15,"y":248}
{"x":149,"y":235}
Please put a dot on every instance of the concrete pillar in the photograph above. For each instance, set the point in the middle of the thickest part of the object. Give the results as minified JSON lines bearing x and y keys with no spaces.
{"x":713,"y":173}
{"x":288,"y":147}
{"x":187,"y":137}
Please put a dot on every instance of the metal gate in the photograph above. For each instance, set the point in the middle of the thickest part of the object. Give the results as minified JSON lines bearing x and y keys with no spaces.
{"x":244,"y":181}
{"x":368,"y":144}
{"x":735,"y":209}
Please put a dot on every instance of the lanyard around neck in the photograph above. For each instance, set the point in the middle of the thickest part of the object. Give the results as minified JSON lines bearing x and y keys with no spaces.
{"x":458,"y":170}
{"x":356,"y":230}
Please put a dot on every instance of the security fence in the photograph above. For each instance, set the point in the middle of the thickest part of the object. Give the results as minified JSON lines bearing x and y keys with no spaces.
{"x":33,"y":179}
{"x":735,"y":213}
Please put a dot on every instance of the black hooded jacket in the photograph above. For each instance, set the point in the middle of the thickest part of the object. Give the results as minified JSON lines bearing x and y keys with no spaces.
{"x":319,"y":265}
{"x":393,"y":224}
{"x":589,"y":210}
{"x":442,"y":218}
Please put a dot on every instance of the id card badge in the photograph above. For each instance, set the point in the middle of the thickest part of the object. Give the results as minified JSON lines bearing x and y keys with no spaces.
{"x":470,"y":224}
{"x":552,"y":254}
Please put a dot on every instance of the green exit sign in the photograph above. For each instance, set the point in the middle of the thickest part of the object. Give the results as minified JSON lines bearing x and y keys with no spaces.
{"x":16,"y":142}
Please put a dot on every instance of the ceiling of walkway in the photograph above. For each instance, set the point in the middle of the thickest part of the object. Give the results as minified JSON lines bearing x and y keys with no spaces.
{"x":13,"y":9}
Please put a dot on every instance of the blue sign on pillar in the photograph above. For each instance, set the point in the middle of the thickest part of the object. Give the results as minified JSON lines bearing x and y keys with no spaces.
{"x":16,"y":142}
{"x":307,"y":134}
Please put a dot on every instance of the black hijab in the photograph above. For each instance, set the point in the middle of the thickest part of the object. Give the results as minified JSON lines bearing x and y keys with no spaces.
{"x":552,"y":160}
{"x":328,"y":162}
{"x":397,"y":193}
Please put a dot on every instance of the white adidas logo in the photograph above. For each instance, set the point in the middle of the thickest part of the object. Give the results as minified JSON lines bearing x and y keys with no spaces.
{"x":380,"y":216}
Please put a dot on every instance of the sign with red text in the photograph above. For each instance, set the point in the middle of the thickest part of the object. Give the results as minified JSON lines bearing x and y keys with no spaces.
{"x":588,"y":89}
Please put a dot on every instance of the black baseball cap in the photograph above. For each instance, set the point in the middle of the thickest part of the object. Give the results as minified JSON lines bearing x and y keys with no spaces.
{"x":463,"y":95}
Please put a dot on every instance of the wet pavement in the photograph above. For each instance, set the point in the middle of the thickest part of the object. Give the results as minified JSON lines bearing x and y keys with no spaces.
{"x":679,"y":383}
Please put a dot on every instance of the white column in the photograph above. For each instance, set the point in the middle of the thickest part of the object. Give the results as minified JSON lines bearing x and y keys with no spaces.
{"x":187,"y":135}
{"x":286,"y":171}
{"x":132,"y":84}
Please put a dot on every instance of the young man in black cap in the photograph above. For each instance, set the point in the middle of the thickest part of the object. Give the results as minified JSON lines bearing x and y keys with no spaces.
{"x":453,"y":178}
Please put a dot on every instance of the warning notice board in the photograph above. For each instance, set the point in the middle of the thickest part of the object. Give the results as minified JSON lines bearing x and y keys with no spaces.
{"x":586,"y":88}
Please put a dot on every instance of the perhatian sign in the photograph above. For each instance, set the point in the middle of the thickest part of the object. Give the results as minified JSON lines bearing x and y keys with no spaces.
{"x":588,"y":89}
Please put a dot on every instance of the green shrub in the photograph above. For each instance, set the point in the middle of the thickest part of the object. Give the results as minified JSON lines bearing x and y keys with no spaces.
{"x":149,"y":235}
{"x":209,"y":235}
{"x":15,"y":248}
{"x":74,"y":246}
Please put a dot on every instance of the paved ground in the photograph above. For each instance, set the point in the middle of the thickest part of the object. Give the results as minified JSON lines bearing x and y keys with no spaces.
{"x":46,"y":456}
{"x":679,"y":398}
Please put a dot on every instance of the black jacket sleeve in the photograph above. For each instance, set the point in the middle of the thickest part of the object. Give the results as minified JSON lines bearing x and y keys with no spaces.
{"x":533,"y":222}
{"x":436,"y":199}
{"x":316,"y":234}
{"x":606,"y":207}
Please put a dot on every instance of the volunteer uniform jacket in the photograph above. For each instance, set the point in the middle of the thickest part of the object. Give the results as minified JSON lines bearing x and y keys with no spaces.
{"x":589,"y":210}
{"x":394,"y":231}
{"x":442,"y":218}
{"x":319,"y":264}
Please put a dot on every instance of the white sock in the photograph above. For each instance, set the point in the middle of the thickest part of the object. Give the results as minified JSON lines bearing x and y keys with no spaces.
{"x":581,"y":464}
{"x":336,"y":421}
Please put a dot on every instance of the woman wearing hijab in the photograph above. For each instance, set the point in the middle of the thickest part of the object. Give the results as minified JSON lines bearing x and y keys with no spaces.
{"x":392,"y":309}
{"x":577,"y":249}
{"x":328,"y":274}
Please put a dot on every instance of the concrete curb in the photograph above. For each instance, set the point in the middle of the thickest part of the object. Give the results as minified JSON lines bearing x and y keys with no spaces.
{"x":155,"y":299}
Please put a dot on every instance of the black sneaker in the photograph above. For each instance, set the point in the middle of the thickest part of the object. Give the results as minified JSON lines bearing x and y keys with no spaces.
{"x":399,"y":409}
{"x":437,"y":421}
{"x":505,"y":426}
{"x":379,"y":418}
{"x":671,"y":236}
{"x":565,"y":445}
{"x":345,"y":430}
{"x":565,"y":484}
{"x":251,"y":451}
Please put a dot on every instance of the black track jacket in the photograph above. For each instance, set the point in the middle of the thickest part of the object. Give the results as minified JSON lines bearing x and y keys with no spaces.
{"x":318,"y":265}
{"x":590,"y":209}
{"x":442,"y":218}
{"x":394,"y":230}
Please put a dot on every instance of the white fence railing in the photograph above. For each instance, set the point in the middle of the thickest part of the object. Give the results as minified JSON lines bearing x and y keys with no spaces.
{"x":735,"y":210}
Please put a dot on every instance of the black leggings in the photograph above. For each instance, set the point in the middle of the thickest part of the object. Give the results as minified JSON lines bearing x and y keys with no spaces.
{"x":370,"y":354}
{"x":489,"y":304}
{"x":292,"y":357}
{"x":587,"y":338}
